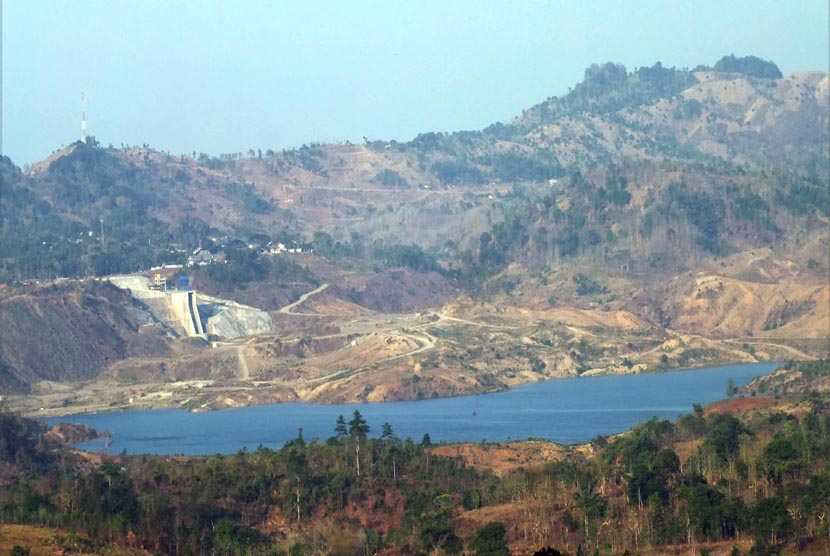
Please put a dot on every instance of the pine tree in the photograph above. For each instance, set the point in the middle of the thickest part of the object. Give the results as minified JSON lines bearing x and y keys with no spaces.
{"x":340,"y":427}
{"x":358,"y":428}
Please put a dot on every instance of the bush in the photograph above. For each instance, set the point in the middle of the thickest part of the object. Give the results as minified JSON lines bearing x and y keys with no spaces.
{"x":587,"y":286}
{"x":457,"y":173}
{"x":390,"y":178}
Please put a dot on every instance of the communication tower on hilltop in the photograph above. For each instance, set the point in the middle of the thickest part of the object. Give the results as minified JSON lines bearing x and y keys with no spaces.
{"x":83,"y":117}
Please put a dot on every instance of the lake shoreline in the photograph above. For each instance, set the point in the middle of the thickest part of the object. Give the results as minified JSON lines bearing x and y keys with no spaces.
{"x":175,"y":395}
{"x":566,"y":411}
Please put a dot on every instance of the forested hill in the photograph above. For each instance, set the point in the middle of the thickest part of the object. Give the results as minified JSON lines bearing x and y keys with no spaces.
{"x":95,"y":211}
{"x":745,"y":131}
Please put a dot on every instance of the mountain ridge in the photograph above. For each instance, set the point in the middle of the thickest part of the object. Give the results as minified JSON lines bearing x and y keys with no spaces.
{"x":682,"y":213}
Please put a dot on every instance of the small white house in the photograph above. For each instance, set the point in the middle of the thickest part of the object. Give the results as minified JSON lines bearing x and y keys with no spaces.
{"x":201,"y":257}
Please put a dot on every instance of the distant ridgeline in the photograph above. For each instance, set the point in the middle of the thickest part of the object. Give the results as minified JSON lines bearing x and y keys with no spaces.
{"x":745,"y":146}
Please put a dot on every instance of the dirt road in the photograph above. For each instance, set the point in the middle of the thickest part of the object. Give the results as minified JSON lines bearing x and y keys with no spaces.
{"x":289,"y":309}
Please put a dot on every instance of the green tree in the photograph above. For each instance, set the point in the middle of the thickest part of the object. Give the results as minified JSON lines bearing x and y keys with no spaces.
{"x":358,"y":428}
{"x":437,"y":532}
{"x":588,"y":286}
{"x":389,"y":449}
{"x":711,"y":514}
{"x":340,"y":427}
{"x":645,"y":482}
{"x":491,"y":540}
{"x":779,"y":458}
{"x":387,"y":434}
{"x":724,"y":436}
{"x":770,"y":522}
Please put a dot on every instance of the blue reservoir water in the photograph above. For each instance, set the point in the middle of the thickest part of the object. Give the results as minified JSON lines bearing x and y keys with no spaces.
{"x":565,"y":411}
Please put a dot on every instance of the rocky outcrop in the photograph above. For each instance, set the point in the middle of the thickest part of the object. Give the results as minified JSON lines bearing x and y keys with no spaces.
{"x":229,"y":319}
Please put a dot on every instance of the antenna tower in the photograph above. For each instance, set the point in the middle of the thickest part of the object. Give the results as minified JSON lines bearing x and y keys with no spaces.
{"x":83,"y":117}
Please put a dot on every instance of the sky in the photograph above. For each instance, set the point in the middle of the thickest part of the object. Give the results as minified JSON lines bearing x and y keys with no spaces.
{"x":220,"y":77}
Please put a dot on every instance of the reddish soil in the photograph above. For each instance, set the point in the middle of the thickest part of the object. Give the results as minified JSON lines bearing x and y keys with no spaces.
{"x":504,"y":456}
{"x":737,"y":405}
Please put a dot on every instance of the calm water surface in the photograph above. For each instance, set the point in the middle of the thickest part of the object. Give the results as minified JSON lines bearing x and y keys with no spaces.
{"x":565,"y":411}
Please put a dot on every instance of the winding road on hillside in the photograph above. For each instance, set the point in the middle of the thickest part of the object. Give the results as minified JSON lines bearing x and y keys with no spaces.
{"x":789,"y":349}
{"x":442,"y":316}
{"x":423,"y":341}
{"x":289,"y":309}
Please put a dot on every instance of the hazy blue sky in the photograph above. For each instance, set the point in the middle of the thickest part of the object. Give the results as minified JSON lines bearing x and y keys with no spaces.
{"x":229,"y":76}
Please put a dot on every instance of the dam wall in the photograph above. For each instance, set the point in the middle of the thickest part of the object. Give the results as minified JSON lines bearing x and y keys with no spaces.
{"x":189,"y":315}
{"x":187,"y":312}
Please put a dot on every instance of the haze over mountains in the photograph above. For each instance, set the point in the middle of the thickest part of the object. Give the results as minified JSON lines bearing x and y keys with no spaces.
{"x":645,"y":220}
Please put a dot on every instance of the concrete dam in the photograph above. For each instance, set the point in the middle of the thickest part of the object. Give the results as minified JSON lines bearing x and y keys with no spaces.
{"x":185,"y":308}
{"x":189,"y":313}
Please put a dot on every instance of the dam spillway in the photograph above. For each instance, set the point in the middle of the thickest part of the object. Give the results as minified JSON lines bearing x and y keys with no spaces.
{"x":186,"y":310}
{"x":188,"y":313}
